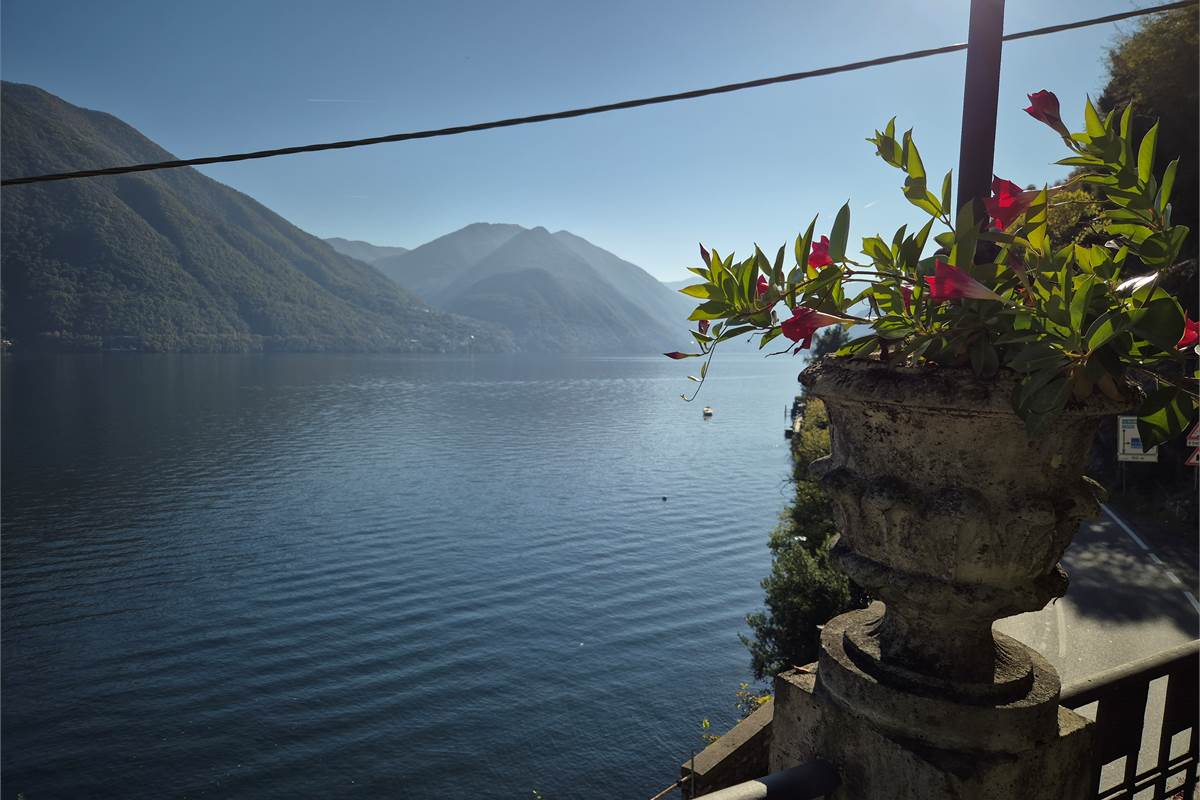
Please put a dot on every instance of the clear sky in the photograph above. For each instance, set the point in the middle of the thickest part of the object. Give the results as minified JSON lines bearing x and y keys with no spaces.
{"x":217,"y":76}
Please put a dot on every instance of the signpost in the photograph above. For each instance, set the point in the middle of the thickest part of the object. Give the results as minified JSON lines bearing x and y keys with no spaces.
{"x":1129,"y":442}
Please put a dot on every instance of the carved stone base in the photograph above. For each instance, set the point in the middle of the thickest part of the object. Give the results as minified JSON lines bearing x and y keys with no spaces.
{"x":810,"y":722}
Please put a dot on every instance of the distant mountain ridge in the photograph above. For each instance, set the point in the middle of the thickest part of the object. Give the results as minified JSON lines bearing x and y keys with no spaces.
{"x":173,"y":260}
{"x":553,"y":291}
{"x":363,"y":251}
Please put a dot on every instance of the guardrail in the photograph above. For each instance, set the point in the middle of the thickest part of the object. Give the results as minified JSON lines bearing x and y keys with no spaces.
{"x":1121,"y":696}
{"x":809,"y":781}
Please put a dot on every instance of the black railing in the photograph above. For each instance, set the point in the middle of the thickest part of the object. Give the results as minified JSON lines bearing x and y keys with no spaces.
{"x":809,"y":781}
{"x":1121,"y":696}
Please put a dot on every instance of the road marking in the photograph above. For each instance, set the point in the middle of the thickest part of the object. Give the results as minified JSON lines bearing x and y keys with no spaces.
{"x":1153,"y":556}
{"x":1192,"y":599}
{"x":1125,"y":527}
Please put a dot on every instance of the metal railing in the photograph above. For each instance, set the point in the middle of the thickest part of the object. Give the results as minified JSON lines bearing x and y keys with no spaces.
{"x":1121,"y":696}
{"x":808,"y":781}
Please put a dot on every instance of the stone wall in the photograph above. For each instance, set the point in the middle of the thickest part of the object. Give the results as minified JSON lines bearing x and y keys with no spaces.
{"x":740,"y":755}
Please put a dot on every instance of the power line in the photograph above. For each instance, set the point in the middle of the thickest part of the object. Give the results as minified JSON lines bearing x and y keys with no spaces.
{"x":587,"y":111}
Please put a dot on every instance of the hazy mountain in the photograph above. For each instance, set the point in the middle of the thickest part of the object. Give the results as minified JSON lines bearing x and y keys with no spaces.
{"x":555,"y":292}
{"x":173,"y":260}
{"x":363,"y":251}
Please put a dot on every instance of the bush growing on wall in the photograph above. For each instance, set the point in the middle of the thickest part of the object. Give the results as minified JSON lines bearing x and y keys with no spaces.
{"x":805,"y":588}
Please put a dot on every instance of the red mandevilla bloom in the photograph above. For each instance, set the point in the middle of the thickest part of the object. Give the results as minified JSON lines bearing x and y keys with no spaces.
{"x":804,"y":323}
{"x":676,"y":355}
{"x":1008,"y":201}
{"x":906,"y":293}
{"x":1043,"y":106}
{"x":951,"y":283}
{"x":763,"y":285}
{"x":820,"y":254}
{"x":1191,"y":333}
{"x":702,"y":325}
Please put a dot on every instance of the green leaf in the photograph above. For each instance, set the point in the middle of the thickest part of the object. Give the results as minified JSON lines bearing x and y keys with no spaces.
{"x":1159,"y":322}
{"x":966,"y":236}
{"x":1168,"y":183}
{"x":912,"y":158}
{"x":1039,"y":239}
{"x":768,"y":336}
{"x":730,"y":333}
{"x":700,"y":290}
{"x":946,"y":190}
{"x":1092,"y":121}
{"x":1080,"y":300}
{"x":714,"y":309}
{"x":1105,"y":327}
{"x":777,"y":267}
{"x":1163,"y":415}
{"x":840,"y":233}
{"x":804,"y":245}
{"x":1146,"y":153}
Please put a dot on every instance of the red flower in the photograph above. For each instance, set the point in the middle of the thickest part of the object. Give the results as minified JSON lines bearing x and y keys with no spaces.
{"x":906,"y":293}
{"x":804,"y":323}
{"x":676,"y":355}
{"x":1191,"y":333}
{"x":702,"y":325}
{"x":704,"y":255}
{"x":1008,"y":201}
{"x":763,"y":285}
{"x":1043,"y":106}
{"x":820,"y":254}
{"x":951,"y":283}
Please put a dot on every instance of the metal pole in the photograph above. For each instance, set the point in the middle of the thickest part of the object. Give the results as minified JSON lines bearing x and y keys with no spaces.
{"x":980,"y":96}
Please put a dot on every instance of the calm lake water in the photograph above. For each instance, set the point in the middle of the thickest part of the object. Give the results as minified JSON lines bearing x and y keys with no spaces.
{"x":331,"y":576}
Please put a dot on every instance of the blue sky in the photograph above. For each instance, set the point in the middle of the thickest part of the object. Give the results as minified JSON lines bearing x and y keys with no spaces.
{"x":202,"y":78}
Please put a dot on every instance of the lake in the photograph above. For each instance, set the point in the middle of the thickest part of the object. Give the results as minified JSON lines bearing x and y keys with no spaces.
{"x":281,"y":576}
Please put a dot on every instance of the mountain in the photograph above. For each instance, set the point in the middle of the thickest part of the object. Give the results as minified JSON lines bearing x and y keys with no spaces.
{"x":173,"y":260}
{"x":363,"y":251}
{"x":553,"y":291}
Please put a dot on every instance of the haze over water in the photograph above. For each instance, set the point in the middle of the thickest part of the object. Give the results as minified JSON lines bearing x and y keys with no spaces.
{"x":315,"y":575}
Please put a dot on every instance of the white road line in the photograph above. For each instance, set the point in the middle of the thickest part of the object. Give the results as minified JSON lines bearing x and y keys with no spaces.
{"x":1125,"y":527}
{"x":1153,"y":557}
{"x":1192,"y":599}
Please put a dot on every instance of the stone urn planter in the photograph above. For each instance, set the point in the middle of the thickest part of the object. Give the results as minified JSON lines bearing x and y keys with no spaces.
{"x":952,"y":517}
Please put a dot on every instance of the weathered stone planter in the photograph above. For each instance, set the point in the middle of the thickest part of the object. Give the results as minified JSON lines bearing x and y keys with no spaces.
{"x":954,"y":518}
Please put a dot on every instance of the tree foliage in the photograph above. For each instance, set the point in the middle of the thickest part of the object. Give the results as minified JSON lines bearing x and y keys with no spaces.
{"x":805,"y":588}
{"x":1155,"y":69}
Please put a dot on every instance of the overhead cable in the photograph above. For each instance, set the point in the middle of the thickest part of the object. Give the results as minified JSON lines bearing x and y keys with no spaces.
{"x":585,"y":111}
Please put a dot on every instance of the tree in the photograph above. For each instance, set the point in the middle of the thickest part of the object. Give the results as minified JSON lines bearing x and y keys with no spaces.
{"x":829,"y":341}
{"x":1155,"y":67}
{"x":805,"y":588}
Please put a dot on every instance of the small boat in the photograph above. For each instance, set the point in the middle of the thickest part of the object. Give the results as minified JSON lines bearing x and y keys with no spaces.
{"x":708,"y":411}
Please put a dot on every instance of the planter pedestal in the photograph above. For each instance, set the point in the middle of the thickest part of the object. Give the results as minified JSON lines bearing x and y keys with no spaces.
{"x":953,"y":518}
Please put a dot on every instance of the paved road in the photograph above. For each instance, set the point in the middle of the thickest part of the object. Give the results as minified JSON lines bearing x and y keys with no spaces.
{"x":1132,"y":594}
{"x":1128,"y":599}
